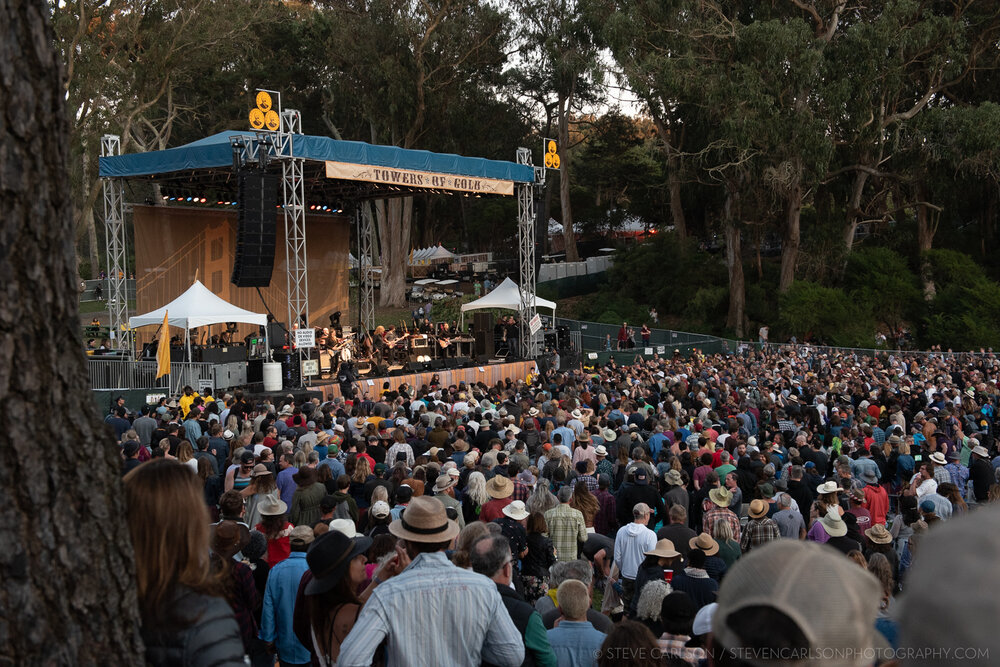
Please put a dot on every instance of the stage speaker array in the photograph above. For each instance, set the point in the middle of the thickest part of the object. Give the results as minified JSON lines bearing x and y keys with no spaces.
{"x":483,"y":333}
{"x":255,"y":234}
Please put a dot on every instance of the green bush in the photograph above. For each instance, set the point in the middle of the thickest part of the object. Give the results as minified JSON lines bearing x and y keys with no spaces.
{"x":879,"y":281}
{"x":824,"y":313}
{"x":708,"y":308}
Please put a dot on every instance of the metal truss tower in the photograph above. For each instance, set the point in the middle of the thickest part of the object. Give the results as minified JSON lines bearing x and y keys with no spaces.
{"x":526,"y":254}
{"x":114,"y":226}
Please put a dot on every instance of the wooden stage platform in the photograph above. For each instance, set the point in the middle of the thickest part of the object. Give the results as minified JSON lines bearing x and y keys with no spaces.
{"x":489,"y":374}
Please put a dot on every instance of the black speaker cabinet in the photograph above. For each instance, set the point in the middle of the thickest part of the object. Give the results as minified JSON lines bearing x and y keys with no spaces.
{"x":483,"y":333}
{"x":255,"y":233}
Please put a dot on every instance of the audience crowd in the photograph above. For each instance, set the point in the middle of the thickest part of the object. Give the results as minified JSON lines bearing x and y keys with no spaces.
{"x":752,"y":508}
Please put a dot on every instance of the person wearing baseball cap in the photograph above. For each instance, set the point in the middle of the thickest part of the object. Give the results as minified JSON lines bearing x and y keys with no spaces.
{"x":758,"y":613}
{"x":433,"y":599}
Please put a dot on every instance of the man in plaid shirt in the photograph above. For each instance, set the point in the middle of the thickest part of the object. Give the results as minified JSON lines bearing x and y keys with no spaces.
{"x":761,"y":529}
{"x":718,"y":510}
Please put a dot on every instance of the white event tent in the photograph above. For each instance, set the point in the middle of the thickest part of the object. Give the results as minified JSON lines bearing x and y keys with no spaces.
{"x":197,"y":307}
{"x":506,"y":296}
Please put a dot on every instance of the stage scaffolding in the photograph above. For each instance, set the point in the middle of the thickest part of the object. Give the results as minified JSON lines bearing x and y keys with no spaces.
{"x":526,"y":214}
{"x":114,"y":227}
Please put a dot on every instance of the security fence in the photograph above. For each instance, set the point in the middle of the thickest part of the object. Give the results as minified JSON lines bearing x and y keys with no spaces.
{"x":128,"y":374}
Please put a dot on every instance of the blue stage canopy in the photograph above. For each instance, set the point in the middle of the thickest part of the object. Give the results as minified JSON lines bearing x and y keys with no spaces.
{"x":215,"y":152}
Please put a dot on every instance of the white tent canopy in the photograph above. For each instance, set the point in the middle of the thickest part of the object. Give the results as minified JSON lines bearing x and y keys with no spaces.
{"x":506,"y":296}
{"x":197,"y":307}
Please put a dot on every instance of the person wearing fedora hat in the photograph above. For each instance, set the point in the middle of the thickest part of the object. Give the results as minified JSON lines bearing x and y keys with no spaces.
{"x":444,"y":491}
{"x":719,"y":499}
{"x":336,"y":572}
{"x":261,"y":489}
{"x":276,"y":528}
{"x":655,"y":567}
{"x":880,"y":541}
{"x":228,"y":539}
{"x":431,"y":599}
{"x":761,"y":529}
{"x":500,"y":489}
{"x":981,"y":473}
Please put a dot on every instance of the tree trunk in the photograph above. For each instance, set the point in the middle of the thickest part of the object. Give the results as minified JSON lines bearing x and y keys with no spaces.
{"x":569,"y":237}
{"x":854,"y":211}
{"x":734,"y":262}
{"x":673,"y":177}
{"x":790,"y":242}
{"x":68,"y":594}
{"x":394,"y":222}
{"x":925,"y":239}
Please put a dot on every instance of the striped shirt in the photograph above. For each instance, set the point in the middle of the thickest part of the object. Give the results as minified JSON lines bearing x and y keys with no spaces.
{"x":434,"y":613}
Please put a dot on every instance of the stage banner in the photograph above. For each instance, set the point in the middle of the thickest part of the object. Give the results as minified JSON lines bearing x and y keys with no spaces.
{"x":417,"y":179}
{"x":174,"y":245}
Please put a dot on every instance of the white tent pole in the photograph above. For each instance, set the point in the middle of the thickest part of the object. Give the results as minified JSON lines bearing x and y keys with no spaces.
{"x":187,"y":338}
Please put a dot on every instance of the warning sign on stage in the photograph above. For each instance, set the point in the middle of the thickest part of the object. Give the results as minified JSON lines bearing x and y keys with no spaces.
{"x":305,"y":338}
{"x":535,"y":324}
{"x":417,"y":179}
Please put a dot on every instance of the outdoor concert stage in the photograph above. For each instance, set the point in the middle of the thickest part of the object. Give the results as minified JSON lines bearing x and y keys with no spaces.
{"x":488,"y":374}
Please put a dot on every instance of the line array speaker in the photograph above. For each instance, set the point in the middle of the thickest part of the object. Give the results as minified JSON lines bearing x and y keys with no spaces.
{"x":255,"y":233}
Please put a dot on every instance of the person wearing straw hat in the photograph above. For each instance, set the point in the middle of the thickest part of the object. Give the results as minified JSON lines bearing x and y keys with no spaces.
{"x":719,"y":499}
{"x":835,"y":526}
{"x":444,"y":491}
{"x":880,"y":541}
{"x":653,"y":568}
{"x":276,"y":528}
{"x":500,"y":489}
{"x":981,"y":473}
{"x":512,"y":526}
{"x":761,"y":529}
{"x":432,"y":613}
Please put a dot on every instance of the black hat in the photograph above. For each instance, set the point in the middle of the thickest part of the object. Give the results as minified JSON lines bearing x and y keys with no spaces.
{"x":677,"y":613}
{"x":329,"y":557}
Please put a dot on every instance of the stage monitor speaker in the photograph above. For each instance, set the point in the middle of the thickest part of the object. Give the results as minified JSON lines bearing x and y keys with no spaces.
{"x":463,"y":362}
{"x":482,"y":359}
{"x":483,"y":333}
{"x":563,"y":337}
{"x":255,"y":233}
{"x":437,"y":364}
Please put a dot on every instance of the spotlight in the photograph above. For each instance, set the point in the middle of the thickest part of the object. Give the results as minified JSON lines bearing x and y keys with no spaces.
{"x":190,"y":198}
{"x":165,"y":197}
{"x":203,"y":200}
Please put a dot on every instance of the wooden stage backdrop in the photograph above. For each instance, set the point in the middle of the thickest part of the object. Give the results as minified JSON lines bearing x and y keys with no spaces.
{"x":173,"y":244}
{"x":489,"y":375}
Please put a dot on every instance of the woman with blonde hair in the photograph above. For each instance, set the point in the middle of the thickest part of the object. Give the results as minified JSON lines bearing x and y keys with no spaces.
{"x":261,"y":489}
{"x":184,"y":619}
{"x":185,"y":455}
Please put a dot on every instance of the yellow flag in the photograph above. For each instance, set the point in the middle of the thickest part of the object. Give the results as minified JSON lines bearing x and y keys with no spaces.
{"x":163,"y":351}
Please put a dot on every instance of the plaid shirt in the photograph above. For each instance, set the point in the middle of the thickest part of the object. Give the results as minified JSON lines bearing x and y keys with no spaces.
{"x":605,"y":467}
{"x":758,"y":532}
{"x":521,"y":492}
{"x":675,"y":646}
{"x":589,"y":480}
{"x":566,"y":529}
{"x":721,"y":513}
